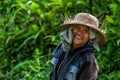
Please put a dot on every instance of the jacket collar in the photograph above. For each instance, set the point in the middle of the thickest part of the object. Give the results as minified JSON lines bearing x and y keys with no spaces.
{"x":87,"y":47}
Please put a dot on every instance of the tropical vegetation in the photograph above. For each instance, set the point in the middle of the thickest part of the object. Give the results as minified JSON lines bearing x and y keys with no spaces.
{"x":29,"y":32}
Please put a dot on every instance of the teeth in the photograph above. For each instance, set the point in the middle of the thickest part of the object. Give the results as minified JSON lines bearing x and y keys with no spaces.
{"x":78,"y":37}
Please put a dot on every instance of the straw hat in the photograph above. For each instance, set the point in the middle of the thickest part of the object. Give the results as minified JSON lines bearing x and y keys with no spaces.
{"x":85,"y":19}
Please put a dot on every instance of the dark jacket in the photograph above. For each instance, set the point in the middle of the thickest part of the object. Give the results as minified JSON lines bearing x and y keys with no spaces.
{"x":78,"y":64}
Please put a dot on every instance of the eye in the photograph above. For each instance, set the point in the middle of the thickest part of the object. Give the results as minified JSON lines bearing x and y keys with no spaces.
{"x":86,"y":32}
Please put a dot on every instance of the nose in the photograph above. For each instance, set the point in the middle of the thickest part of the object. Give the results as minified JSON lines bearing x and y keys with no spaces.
{"x":80,"y":33}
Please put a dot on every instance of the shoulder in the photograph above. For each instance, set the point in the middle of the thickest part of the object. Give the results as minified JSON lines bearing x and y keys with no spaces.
{"x":58,"y":50}
{"x":89,"y":57}
{"x":89,"y":69}
{"x":90,"y":60}
{"x":56,"y":53}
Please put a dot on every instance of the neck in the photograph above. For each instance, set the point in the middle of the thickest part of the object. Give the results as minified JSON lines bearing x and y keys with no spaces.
{"x":76,"y":46}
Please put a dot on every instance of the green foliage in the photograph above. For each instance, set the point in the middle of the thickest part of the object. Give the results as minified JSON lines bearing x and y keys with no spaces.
{"x":29,"y":31}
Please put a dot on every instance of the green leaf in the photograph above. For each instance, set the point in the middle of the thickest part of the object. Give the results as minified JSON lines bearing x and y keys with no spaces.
{"x":34,"y":7}
{"x":118,"y":42}
{"x":113,"y":8}
{"x":109,"y":19}
{"x":22,"y":5}
{"x":24,"y":43}
{"x":109,"y":49}
{"x":35,"y":28}
{"x":18,"y":66}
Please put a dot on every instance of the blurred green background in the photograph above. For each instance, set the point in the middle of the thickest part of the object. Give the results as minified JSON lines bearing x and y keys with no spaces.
{"x":29,"y":32}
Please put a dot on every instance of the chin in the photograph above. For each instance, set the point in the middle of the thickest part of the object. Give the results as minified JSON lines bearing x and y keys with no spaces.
{"x":79,"y":43}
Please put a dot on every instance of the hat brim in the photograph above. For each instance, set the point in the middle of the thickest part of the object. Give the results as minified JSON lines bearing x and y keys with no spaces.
{"x":102,"y":36}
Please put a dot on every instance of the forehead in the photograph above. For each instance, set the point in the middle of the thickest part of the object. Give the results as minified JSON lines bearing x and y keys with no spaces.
{"x":82,"y":26}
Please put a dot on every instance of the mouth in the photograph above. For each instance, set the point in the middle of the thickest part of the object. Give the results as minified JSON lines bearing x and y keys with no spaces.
{"x":78,"y":37}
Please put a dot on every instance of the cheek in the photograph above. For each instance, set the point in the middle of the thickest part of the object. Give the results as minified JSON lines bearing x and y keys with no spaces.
{"x":73,"y":32}
{"x":86,"y":38}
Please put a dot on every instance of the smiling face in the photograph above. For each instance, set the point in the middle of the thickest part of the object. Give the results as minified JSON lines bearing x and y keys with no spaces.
{"x":80,"y":35}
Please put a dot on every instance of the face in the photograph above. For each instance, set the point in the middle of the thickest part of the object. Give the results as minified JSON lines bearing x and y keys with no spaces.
{"x":80,"y":35}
